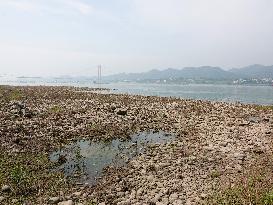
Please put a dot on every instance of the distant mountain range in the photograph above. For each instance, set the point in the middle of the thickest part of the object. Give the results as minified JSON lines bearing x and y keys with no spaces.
{"x":254,"y":71}
{"x":253,"y":74}
{"x":204,"y":72}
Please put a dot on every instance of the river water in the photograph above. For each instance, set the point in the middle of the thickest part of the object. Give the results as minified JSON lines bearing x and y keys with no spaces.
{"x":215,"y":92}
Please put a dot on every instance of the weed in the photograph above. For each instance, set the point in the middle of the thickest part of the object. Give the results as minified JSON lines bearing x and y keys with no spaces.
{"x":29,"y":176}
{"x":268,"y":198}
{"x":18,"y":175}
{"x":15,"y":95}
{"x":55,"y":109}
{"x":264,"y":107}
{"x":215,"y":174}
{"x":255,"y":186}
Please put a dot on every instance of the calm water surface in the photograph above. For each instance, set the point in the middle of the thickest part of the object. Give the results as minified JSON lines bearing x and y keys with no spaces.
{"x":227,"y":93}
{"x":84,"y":160}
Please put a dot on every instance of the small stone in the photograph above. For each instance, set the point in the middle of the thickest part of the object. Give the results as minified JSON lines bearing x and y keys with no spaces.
{"x":208,"y":148}
{"x":254,"y":119}
{"x":54,"y":200}
{"x":6,"y":188}
{"x":150,"y":178}
{"x":165,"y":200}
{"x":178,"y":202}
{"x":266,"y":119}
{"x":258,"y":150}
{"x":69,"y":202}
{"x":102,"y":203}
{"x":223,"y":144}
{"x":210,"y":159}
{"x":2,"y":198}
{"x":14,"y":201}
{"x":243,"y":124}
{"x":122,"y":112}
{"x":239,"y":156}
{"x":203,"y":196}
{"x":77,"y":194}
{"x":239,"y":168}
{"x":173,"y":197}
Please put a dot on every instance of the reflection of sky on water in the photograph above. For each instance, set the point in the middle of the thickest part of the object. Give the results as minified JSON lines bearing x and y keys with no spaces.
{"x":88,"y":158}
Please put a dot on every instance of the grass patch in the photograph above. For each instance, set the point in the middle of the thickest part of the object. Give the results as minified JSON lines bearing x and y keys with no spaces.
{"x":55,"y":109}
{"x":15,"y":95}
{"x":264,"y":107}
{"x":268,"y":198}
{"x":29,"y":176}
{"x":215,"y":174}
{"x":254,"y":187}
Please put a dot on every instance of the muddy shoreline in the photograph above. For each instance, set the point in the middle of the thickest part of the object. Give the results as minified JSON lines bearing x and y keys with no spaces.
{"x":216,"y":142}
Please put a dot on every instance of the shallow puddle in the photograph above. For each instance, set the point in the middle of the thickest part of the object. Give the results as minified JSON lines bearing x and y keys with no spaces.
{"x":85,"y":160}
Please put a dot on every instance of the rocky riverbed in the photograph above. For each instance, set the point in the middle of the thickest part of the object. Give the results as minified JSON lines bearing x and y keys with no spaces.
{"x":216,"y":144}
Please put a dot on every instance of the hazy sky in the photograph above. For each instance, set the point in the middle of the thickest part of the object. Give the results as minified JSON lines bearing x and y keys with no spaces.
{"x":55,"y":37}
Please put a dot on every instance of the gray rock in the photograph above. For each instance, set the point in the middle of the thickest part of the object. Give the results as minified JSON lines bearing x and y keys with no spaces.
{"x":77,"y":194}
{"x":223,"y":144}
{"x":54,"y":200}
{"x":239,"y":155}
{"x":173,"y":197}
{"x":254,"y":119}
{"x":178,"y":202}
{"x":69,"y":202}
{"x":203,"y":196}
{"x":2,"y":198}
{"x":6,"y":188}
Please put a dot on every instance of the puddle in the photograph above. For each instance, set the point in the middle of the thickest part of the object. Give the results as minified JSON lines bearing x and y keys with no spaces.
{"x":85,"y":160}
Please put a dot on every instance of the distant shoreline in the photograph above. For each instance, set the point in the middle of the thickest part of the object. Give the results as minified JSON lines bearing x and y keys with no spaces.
{"x":247,"y":94}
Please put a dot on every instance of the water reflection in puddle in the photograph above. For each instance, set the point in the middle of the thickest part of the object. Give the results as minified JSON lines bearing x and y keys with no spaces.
{"x":85,"y":160}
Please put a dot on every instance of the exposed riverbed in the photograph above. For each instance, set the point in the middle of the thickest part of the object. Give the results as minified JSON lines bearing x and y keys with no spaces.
{"x":216,"y":144}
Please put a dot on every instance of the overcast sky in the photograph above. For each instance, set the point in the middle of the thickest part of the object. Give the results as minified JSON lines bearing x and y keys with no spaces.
{"x":57,"y":37}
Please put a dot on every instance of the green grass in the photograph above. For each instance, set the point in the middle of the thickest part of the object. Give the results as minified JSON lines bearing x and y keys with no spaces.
{"x":29,"y":176}
{"x":254,"y":187}
{"x":55,"y":109}
{"x":264,"y":107}
{"x":215,"y":174}
{"x":15,"y":95}
{"x":268,"y":198}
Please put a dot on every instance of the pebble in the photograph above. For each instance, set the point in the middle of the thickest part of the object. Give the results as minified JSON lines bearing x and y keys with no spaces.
{"x":239,"y":155}
{"x":77,"y":194}
{"x":203,"y":196}
{"x":6,"y":188}
{"x":2,"y":198}
{"x":69,"y":202}
{"x":54,"y":200}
